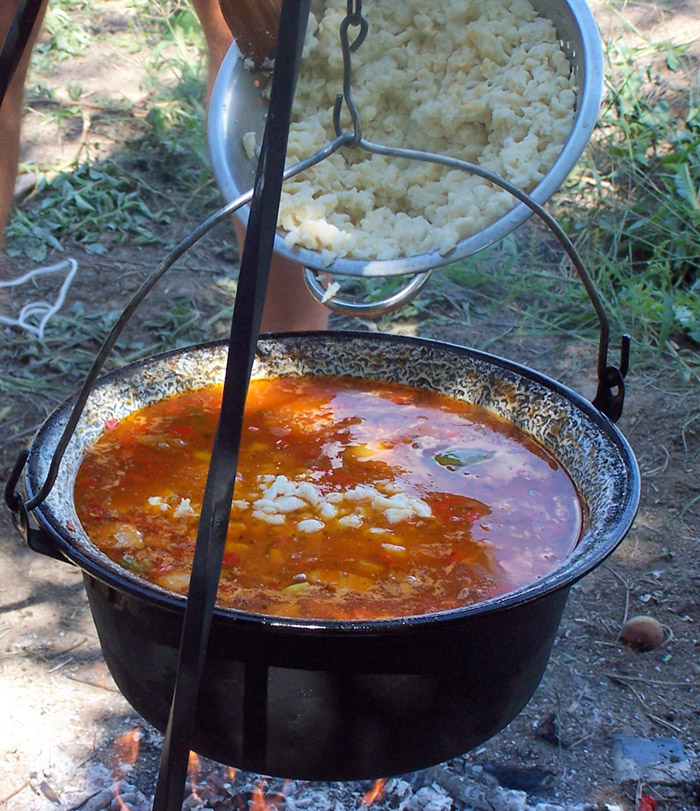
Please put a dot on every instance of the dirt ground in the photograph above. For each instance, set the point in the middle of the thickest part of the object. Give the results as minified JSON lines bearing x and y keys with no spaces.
{"x":62,"y":713}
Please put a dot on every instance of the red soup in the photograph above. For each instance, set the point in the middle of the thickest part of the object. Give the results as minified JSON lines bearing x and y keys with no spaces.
{"x":353,"y":499}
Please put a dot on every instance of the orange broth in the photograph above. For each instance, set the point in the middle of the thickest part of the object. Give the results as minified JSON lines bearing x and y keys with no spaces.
{"x":353,"y":499}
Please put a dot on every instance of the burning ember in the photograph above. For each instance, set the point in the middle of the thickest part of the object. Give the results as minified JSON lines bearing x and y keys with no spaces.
{"x":262,"y":800}
{"x":374,"y":793}
{"x":459,"y":785}
{"x":193,"y":769}
{"x":126,"y":751}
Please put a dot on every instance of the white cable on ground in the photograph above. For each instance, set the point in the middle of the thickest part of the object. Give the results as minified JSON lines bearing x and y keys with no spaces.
{"x":40,"y":310}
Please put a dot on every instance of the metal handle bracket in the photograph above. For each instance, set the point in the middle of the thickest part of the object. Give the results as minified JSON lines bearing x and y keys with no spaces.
{"x":36,"y":539}
{"x":610,"y":395}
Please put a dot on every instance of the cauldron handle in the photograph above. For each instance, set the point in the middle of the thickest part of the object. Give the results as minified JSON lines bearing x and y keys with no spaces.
{"x":611,"y":384}
{"x":611,"y":391}
{"x":610,"y":395}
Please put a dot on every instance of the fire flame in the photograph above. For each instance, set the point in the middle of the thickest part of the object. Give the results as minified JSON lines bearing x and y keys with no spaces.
{"x":120,"y":803}
{"x":126,"y":751}
{"x":375,"y":793}
{"x":258,"y":801}
{"x":193,"y":770}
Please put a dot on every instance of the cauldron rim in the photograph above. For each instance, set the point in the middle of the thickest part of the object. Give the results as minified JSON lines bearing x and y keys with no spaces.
{"x":577,"y":565}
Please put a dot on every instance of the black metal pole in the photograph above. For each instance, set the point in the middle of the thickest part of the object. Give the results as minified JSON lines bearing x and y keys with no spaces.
{"x":247,"y":314}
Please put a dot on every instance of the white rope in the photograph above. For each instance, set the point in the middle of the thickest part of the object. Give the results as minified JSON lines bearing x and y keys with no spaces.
{"x":41,"y":310}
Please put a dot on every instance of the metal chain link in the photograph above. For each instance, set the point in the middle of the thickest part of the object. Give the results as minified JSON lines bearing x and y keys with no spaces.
{"x":353,"y":18}
{"x":354,"y":12}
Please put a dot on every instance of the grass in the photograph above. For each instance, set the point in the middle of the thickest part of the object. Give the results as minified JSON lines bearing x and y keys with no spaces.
{"x":130,"y":196}
{"x":97,"y":202}
{"x":631,"y":206}
{"x":35,"y":368}
{"x":65,"y":34}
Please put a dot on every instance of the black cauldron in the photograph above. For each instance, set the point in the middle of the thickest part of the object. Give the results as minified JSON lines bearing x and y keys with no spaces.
{"x":339,"y":700}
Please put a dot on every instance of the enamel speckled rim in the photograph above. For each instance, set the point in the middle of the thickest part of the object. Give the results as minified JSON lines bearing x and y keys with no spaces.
{"x":594,"y":452}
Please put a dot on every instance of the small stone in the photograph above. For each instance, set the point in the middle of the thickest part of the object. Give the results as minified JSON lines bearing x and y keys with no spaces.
{"x":48,"y":792}
{"x":643,"y":633}
{"x":548,"y":730}
{"x":658,"y":760}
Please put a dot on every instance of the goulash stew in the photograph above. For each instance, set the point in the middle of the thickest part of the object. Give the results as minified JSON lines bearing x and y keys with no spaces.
{"x":354,"y":499}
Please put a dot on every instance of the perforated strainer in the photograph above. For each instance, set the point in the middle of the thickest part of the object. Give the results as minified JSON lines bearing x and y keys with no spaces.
{"x":238,"y":107}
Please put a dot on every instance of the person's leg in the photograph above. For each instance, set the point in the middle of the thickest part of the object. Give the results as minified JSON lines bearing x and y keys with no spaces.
{"x":289,"y":306}
{"x":216,"y":33}
{"x":11,"y":113}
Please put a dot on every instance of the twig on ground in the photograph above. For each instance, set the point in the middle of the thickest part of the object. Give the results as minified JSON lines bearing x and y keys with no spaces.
{"x":661,"y":468}
{"x":627,"y":591}
{"x":685,"y":426}
{"x":581,"y":740}
{"x":652,"y":681}
{"x":61,"y":664}
{"x":73,"y":677}
{"x":14,"y":792}
{"x":649,"y":714}
{"x":688,"y":505}
{"x":70,"y":648}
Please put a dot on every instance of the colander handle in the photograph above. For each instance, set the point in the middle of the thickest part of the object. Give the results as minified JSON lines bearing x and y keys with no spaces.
{"x":610,"y":396}
{"x":365,"y":309}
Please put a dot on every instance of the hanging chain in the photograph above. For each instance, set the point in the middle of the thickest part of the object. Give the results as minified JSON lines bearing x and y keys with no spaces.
{"x":355,"y":19}
{"x":354,"y":14}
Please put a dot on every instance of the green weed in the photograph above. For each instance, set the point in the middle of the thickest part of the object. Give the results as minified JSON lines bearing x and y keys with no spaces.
{"x":97,"y":203}
{"x":180,"y":324}
{"x":633,"y":207}
{"x":94,"y":206}
{"x":64,"y":33}
{"x":74,"y":337}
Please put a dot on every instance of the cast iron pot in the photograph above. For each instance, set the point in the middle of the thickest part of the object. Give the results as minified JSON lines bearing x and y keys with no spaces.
{"x":339,"y":700}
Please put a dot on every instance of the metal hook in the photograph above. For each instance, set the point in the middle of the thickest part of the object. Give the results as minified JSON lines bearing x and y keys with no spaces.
{"x":12,"y":496}
{"x":353,"y":18}
{"x":610,"y":395}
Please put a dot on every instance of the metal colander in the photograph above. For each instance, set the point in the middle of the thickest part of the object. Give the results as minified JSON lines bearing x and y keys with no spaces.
{"x":238,"y":107}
